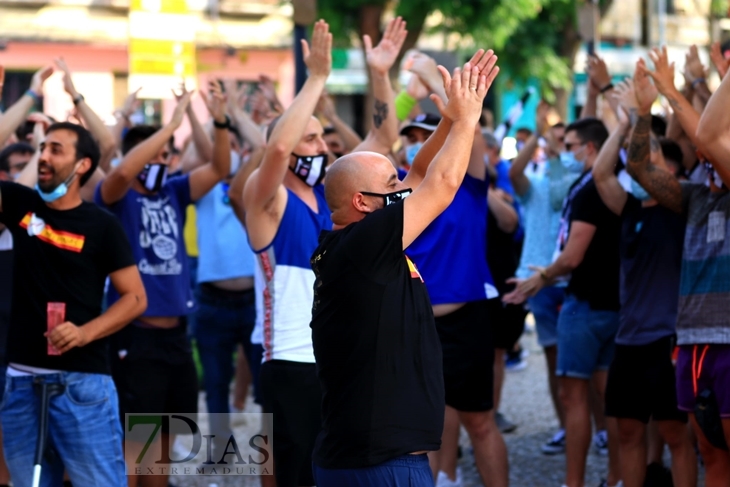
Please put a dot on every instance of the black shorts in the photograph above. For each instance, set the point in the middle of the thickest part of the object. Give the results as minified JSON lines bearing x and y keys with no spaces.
{"x":291,"y":392}
{"x":466,"y":342}
{"x":154,"y":371}
{"x":508,"y":323}
{"x":642,"y":383}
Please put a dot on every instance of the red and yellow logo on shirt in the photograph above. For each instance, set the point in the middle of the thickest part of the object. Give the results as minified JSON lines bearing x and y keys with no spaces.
{"x":413,"y":269}
{"x":63,"y":240}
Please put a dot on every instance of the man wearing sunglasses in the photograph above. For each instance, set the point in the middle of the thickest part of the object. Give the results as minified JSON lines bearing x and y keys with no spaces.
{"x":375,"y":342}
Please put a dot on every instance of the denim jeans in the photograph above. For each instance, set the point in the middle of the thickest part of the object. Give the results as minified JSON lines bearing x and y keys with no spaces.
{"x":223,"y":321}
{"x":84,"y":432}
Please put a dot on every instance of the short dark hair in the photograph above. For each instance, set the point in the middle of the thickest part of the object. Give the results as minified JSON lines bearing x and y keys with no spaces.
{"x":271,"y":127}
{"x":559,"y":125}
{"x":136,"y":135}
{"x":658,"y":126}
{"x":17,"y":148}
{"x":524,"y":130}
{"x":85,"y":147}
{"x":671,"y":151}
{"x":589,"y":130}
{"x":329,"y":130}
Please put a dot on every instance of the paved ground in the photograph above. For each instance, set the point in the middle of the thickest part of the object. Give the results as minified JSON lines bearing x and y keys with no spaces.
{"x":526,"y":402}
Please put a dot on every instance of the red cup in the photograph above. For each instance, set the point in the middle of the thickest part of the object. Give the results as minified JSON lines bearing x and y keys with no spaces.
{"x":56,"y":314}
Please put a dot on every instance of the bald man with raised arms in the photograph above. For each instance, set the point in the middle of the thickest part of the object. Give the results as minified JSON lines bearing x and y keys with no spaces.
{"x":375,"y":342}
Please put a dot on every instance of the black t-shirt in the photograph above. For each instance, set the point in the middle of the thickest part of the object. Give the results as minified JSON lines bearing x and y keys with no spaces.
{"x":652,"y":239}
{"x":375,"y":343}
{"x":59,"y":256}
{"x":6,"y":286}
{"x":596,"y":279}
{"x":503,"y":254}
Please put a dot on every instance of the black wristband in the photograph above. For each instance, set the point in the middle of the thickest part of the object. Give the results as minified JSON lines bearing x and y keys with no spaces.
{"x":79,"y":98}
{"x":606,"y":88}
{"x":224,"y":125}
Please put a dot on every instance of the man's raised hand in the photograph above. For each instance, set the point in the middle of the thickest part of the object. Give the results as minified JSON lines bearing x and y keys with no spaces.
{"x":466,"y":90}
{"x":40,"y":76}
{"x":216,"y":102}
{"x":318,"y":57}
{"x":183,"y":101}
{"x":721,"y":64}
{"x":68,"y":83}
{"x":382,"y":57}
{"x":663,"y":74}
{"x":646,"y":92}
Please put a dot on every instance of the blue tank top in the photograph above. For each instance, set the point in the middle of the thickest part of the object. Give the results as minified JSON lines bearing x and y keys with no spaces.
{"x":451,"y":252}
{"x":285,"y":281}
{"x":221,"y":239}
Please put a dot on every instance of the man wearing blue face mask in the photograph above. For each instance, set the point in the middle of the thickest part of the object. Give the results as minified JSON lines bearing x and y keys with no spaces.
{"x":587,"y":251}
{"x":417,"y":132}
{"x":153,"y":364}
{"x":641,"y":380}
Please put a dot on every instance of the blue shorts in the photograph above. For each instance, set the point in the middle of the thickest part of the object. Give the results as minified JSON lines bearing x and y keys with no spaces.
{"x":545,"y":307}
{"x":403,"y":471}
{"x":585,"y":339}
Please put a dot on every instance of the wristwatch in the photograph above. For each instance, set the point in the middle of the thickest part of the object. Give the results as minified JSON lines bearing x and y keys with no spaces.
{"x":78,"y":99}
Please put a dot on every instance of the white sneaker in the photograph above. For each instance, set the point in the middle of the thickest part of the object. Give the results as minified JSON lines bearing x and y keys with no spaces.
{"x":443,"y":480}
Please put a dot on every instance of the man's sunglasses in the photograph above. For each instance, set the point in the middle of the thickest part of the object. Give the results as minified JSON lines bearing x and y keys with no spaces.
{"x":570,"y":145}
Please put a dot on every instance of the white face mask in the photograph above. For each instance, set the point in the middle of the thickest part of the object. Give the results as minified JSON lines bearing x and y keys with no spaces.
{"x":235,"y":162}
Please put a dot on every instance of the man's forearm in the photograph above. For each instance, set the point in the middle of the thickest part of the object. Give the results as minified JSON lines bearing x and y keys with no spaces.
{"x":385,"y":122}
{"x":349,"y":137}
{"x":203,"y":145}
{"x":430,"y":148}
{"x":106,"y":140}
{"x":517,"y":170}
{"x":14,"y":117}
{"x":117,"y":316}
{"x":660,"y":184}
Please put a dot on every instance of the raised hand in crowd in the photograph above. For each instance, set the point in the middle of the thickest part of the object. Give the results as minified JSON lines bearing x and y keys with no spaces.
{"x":424,"y":66}
{"x":15,"y":115}
{"x":384,"y":131}
{"x":662,"y":185}
{"x":718,"y":59}
{"x":121,"y":178}
{"x":599,"y":84}
{"x":95,"y":125}
{"x":264,"y":192}
{"x":517,"y":176}
{"x":268,"y":90}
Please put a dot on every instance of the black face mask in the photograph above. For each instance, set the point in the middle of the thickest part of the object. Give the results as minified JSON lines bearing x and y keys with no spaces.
{"x":391,"y":198}
{"x":310,"y":169}
{"x":153,"y":177}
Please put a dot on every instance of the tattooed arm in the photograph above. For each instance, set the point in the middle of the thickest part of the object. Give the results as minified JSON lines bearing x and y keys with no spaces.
{"x":660,"y":183}
{"x":384,"y":132}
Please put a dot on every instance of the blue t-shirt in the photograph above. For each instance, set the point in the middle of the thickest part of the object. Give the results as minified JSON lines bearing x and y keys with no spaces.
{"x":651,"y":258}
{"x":504,"y":183}
{"x":222,"y":242}
{"x":451,"y":252}
{"x":154,"y":224}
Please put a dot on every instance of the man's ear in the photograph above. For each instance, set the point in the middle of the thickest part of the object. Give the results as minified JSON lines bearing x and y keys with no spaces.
{"x":361,"y":204}
{"x":84,"y":167}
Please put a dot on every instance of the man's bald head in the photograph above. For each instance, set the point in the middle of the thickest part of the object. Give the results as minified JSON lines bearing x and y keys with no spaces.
{"x":352,"y":174}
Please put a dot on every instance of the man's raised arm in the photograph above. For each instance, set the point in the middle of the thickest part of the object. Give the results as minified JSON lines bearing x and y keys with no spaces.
{"x":15,"y":115}
{"x":517,"y":170}
{"x":264,"y":183}
{"x":120,"y":179}
{"x":659,"y":183}
{"x":466,"y":92}
{"x":432,"y":146}
{"x":380,"y":59}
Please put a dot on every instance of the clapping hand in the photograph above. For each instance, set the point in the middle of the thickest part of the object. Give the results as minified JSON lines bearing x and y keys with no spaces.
{"x":318,"y":57}
{"x":382,"y":57}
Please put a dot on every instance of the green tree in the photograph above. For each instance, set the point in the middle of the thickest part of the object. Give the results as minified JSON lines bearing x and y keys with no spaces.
{"x":533,"y":38}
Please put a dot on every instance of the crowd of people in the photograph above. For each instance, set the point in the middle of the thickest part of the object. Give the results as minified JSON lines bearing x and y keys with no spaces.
{"x":370,"y":291}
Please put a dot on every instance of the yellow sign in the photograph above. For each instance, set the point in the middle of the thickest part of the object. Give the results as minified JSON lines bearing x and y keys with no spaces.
{"x":161,"y":46}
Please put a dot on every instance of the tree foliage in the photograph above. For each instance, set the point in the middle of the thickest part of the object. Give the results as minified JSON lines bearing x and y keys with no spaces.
{"x":533,"y":38}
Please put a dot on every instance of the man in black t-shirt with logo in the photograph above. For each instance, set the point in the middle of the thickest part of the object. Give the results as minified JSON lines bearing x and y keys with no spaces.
{"x":587,"y":250}
{"x":64,"y":250}
{"x":375,"y":342}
